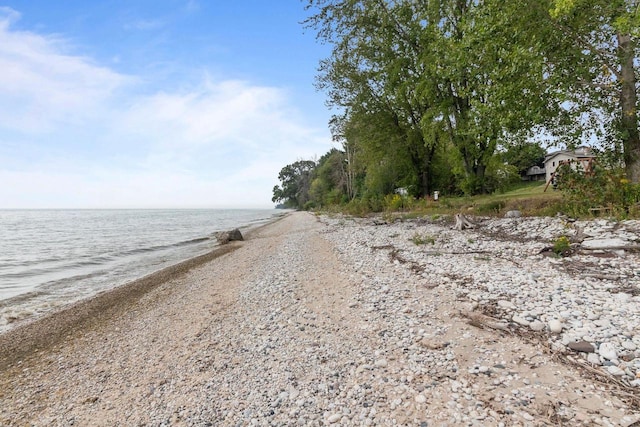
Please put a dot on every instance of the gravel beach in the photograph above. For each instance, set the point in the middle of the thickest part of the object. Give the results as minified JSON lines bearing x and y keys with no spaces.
{"x":328,"y":320}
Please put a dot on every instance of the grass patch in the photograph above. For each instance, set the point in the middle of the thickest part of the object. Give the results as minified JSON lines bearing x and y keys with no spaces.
{"x":528,"y":197}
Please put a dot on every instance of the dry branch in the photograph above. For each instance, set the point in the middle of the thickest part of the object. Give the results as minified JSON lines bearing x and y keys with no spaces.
{"x":482,"y":320}
{"x":462,"y":223}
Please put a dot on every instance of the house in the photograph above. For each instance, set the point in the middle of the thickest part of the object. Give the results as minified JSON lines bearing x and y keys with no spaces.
{"x":535,"y":173}
{"x":581,"y":156}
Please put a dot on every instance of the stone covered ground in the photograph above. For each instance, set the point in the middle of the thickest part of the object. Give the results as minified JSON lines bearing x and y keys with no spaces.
{"x":318,"y":320}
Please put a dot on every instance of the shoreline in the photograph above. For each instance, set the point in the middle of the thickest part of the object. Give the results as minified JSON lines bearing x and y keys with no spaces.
{"x":43,"y":332}
{"x":340,"y":321}
{"x":37,"y":334}
{"x":78,"y":254}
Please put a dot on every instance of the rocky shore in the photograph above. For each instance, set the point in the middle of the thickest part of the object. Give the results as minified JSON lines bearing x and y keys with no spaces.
{"x":318,"y":320}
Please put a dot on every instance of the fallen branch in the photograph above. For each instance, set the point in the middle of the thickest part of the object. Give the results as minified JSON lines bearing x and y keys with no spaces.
{"x":480,"y":320}
{"x":462,"y":223}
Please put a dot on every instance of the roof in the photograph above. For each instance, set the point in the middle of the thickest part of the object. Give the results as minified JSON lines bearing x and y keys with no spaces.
{"x":582,"y":152}
{"x":536,"y":170}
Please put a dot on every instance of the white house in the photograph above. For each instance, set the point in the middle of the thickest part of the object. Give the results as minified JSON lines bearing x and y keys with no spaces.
{"x":582,"y":156}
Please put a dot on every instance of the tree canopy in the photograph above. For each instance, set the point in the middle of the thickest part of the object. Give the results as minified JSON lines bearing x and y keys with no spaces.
{"x":427,"y":91}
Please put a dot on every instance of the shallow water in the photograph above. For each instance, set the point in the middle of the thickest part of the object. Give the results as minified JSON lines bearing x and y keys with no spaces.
{"x":49,"y":258}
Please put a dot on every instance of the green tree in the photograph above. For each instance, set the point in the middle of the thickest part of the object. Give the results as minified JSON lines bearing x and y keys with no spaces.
{"x":329,"y":184}
{"x":432,"y":73}
{"x":372,"y":77}
{"x":295,"y":182}
{"x":524,"y":155}
{"x":601,"y":63}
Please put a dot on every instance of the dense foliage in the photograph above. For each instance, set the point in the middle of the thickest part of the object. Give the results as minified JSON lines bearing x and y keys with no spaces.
{"x":458,"y":95}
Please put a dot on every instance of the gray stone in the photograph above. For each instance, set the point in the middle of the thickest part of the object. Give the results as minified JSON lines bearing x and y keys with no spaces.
{"x":582,"y":346}
{"x":513,"y":214}
{"x":225,"y":237}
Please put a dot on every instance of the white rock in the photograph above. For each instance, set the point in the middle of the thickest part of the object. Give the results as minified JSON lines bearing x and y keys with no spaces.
{"x":536,"y":325}
{"x":604,"y":243}
{"x":506,"y":304}
{"x":420,"y":398}
{"x":555,"y":326}
{"x":623,"y":297}
{"x":381,"y":363}
{"x":527,"y":416}
{"x":615,"y":371}
{"x":629,"y":345}
{"x":520,"y":320}
{"x":334,"y":418}
{"x":593,"y":358}
{"x":608,"y":351}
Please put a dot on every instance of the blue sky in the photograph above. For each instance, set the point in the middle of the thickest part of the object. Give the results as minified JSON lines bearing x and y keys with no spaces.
{"x":151,"y":104}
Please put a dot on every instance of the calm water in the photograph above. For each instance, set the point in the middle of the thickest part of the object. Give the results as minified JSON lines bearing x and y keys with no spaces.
{"x":49,"y":258}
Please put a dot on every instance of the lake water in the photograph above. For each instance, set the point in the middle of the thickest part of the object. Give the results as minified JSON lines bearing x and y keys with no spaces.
{"x":50,"y":258}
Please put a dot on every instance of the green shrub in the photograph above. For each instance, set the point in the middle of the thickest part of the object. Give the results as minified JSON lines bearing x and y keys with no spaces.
{"x":600,"y":187}
{"x":561,"y":246}
{"x":393,"y":202}
{"x":418,"y":239}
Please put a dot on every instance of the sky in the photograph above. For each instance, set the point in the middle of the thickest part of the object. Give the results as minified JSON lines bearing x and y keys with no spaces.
{"x":155,"y":103}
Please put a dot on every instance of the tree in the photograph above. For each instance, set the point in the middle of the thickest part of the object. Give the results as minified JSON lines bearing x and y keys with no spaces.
{"x":433,"y":72}
{"x":602,"y":66}
{"x":371,"y":77}
{"x":295,"y":183}
{"x":329,"y":184}
{"x":524,"y":155}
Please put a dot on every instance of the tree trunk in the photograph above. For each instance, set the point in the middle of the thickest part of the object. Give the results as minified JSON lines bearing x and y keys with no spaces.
{"x":628,"y":100}
{"x":480,"y":174}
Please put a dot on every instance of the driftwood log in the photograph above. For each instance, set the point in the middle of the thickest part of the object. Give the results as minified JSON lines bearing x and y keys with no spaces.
{"x":480,"y":320}
{"x":462,"y":223}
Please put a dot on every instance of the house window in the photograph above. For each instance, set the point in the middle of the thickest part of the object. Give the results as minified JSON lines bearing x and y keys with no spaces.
{"x":553,"y":164}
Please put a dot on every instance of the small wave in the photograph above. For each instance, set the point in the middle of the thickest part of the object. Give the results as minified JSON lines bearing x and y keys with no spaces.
{"x":29,"y":273}
{"x":35,"y":272}
{"x":62,"y":283}
{"x":163,"y":247}
{"x":28,"y":263}
{"x":192,"y":241}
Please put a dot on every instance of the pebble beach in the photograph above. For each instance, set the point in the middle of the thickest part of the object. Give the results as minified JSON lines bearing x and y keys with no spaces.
{"x":320,"y":320}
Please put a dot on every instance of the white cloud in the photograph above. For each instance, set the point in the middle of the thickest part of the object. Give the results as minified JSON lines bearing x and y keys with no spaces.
{"x":92,"y":138}
{"x":41,"y":86}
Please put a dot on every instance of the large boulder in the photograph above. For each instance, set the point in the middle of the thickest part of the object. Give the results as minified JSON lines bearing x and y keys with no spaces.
{"x":229,"y":236}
